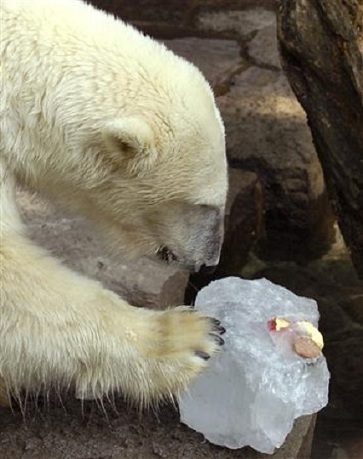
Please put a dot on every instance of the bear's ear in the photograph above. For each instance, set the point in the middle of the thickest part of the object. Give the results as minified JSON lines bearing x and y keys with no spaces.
{"x":130,"y":143}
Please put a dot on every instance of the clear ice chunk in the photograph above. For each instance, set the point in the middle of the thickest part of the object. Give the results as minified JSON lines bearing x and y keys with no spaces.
{"x":253,"y":391}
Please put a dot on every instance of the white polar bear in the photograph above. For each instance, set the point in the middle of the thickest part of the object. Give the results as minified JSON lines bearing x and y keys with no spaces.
{"x":114,"y":126}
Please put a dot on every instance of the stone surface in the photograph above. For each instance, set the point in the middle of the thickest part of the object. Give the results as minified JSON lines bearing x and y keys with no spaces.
{"x":213,"y":57}
{"x":263,"y":47}
{"x":328,"y":81}
{"x":355,"y":303}
{"x":241,"y":22}
{"x":243,"y":222}
{"x":173,"y":11}
{"x":267,"y":133}
{"x":345,"y":351}
{"x":71,"y":431}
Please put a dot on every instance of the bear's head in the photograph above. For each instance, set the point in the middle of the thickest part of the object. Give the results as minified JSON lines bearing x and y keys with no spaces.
{"x":164,"y":183}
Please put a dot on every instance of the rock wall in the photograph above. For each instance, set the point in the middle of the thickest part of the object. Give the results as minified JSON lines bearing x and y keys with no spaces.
{"x":328,"y":80}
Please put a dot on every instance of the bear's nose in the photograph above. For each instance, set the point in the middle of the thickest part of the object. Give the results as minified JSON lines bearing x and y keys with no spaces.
{"x":207,"y":270}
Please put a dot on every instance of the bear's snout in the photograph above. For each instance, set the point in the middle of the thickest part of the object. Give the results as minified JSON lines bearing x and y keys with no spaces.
{"x":211,"y":241}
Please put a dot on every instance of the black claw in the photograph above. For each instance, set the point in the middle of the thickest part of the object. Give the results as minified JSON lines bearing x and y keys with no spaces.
{"x":202,"y":355}
{"x":217,"y":327}
{"x":215,"y":322}
{"x":219,"y":340}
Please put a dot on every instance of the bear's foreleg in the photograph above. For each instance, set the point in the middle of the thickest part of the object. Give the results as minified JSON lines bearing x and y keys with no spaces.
{"x":58,"y":329}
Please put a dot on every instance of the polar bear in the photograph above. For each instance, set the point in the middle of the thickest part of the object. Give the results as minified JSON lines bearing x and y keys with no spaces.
{"x":110,"y":124}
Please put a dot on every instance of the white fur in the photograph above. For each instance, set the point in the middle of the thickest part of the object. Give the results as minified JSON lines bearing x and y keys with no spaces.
{"x":113,"y":125}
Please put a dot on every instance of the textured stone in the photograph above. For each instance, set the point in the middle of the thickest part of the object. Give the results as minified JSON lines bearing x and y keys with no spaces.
{"x":243,"y":222}
{"x":345,"y":353}
{"x":344,"y":347}
{"x":174,"y":11}
{"x":212,"y":57}
{"x":146,"y":10}
{"x":354,"y":305}
{"x":263,"y":47}
{"x":328,"y":81}
{"x":258,"y":105}
{"x":241,"y":22}
{"x":74,"y":431}
{"x":267,"y":133}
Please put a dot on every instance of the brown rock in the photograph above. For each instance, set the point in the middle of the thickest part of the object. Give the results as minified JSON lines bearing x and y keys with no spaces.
{"x":263,"y":47}
{"x":267,"y":133}
{"x":213,"y":57}
{"x":353,"y":304}
{"x":73,"y":430}
{"x":243,"y":222}
{"x":328,"y":80}
{"x":173,"y":11}
{"x":345,"y":360}
{"x":241,"y":22}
